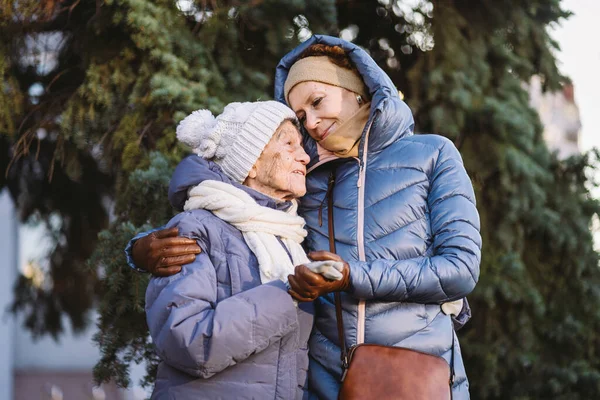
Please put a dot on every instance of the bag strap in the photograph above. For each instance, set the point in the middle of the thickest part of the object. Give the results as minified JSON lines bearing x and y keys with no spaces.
{"x":452,"y":373}
{"x":337,"y":296}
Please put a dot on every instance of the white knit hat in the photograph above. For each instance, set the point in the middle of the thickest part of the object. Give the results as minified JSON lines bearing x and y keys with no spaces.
{"x":237,"y":137}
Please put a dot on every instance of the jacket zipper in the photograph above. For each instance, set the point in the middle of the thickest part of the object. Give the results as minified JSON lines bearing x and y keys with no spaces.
{"x":360,"y":232}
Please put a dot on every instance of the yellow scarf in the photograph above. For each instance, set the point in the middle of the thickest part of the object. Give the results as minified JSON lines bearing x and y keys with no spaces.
{"x":343,"y":142}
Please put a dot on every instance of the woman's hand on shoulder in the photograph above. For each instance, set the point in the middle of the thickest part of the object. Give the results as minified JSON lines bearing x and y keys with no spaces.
{"x":162,"y":253}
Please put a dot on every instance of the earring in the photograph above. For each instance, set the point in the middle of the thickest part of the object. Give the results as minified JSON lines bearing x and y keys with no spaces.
{"x":359,"y":99}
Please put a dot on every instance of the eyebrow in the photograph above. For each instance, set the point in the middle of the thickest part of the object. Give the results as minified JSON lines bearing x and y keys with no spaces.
{"x":306,"y":101}
{"x":296,"y":134}
{"x":280,"y":132}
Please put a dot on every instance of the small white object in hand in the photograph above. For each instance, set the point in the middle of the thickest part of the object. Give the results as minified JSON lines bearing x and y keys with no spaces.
{"x":452,"y":307}
{"x":329,"y":269}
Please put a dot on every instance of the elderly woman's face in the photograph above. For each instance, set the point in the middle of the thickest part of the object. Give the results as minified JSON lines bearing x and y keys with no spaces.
{"x":322,"y":108}
{"x":280,"y":171}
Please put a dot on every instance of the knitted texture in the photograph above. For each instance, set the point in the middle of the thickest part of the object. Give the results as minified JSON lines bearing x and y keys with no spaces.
{"x":260,"y":226}
{"x":236,"y":138}
{"x":321,"y":69}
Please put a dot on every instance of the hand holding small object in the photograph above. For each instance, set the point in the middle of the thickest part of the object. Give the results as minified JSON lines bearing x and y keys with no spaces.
{"x":319,"y":277}
{"x":331,"y":270}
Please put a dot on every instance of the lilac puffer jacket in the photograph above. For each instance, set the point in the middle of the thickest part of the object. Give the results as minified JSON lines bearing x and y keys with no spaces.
{"x":219,"y":332}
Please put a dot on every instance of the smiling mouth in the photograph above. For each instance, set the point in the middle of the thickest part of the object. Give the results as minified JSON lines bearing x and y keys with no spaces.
{"x":299,"y":172}
{"x":327,"y":132}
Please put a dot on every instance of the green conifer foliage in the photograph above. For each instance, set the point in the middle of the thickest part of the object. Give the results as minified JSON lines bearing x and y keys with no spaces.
{"x":89,"y":90}
{"x":532,"y":300}
{"x":90,"y":142}
{"x":534,"y":333}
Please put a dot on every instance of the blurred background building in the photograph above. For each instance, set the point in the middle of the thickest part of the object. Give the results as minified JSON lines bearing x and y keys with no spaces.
{"x":559,"y":115}
{"x":43,"y":368}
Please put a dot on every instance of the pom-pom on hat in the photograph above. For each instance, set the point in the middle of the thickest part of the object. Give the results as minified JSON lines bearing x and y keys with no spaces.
{"x":236,"y":138}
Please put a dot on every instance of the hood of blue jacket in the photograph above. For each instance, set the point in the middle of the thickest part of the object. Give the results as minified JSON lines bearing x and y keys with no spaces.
{"x":392,"y":119}
{"x":193,"y":170}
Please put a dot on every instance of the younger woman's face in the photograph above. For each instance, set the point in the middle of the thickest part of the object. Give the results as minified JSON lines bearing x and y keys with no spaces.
{"x":322,"y":108}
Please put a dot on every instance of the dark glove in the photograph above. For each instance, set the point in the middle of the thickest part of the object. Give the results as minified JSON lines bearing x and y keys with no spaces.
{"x":306,"y":285}
{"x":162,"y":253}
{"x":463,"y":317}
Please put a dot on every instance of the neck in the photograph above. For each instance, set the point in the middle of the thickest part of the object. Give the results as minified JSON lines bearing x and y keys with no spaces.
{"x":279,"y":196}
{"x":343,"y":142}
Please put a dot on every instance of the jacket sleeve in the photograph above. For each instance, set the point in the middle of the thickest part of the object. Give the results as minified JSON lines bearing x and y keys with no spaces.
{"x":200,"y":336}
{"x":452,"y":270}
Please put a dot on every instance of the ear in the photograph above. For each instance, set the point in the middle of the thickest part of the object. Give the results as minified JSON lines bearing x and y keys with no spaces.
{"x":252,"y":173}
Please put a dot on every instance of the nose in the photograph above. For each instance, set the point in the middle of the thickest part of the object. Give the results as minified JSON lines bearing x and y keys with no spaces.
{"x":302,"y":157}
{"x":311,"y":121}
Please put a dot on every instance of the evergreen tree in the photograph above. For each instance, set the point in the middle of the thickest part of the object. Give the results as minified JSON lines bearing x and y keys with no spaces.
{"x":89,"y":90}
{"x":88,"y":140}
{"x":462,"y":67}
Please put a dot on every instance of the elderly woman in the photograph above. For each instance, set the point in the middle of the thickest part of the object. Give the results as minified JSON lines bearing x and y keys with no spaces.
{"x":226,"y":327}
{"x":404,"y":214}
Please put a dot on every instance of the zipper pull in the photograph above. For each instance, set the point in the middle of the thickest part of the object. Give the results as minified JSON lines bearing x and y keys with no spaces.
{"x":345,"y":366}
{"x":359,"y":182}
{"x":344,"y":375}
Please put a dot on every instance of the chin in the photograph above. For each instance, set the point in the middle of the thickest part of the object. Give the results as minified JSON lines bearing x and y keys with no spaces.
{"x":299,"y":193}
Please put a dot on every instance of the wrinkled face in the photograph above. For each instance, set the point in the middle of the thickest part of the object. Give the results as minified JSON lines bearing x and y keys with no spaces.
{"x":280,"y":171}
{"x":322,"y":108}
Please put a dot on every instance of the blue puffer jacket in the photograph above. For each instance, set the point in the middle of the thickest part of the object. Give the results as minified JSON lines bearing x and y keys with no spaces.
{"x":405,"y":220}
{"x":219,"y":332}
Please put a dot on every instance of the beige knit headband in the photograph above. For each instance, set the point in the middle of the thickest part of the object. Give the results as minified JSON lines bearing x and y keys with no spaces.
{"x":321,"y":69}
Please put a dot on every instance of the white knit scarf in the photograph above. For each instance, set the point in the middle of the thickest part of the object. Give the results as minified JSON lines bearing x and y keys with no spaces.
{"x":259,"y":225}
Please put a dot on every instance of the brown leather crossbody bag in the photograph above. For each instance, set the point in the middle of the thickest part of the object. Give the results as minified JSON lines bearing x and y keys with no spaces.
{"x":371,"y":371}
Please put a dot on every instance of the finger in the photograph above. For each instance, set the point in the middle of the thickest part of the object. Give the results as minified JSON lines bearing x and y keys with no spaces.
{"x":177,"y":260}
{"x":304,"y":274}
{"x":167,"y":271}
{"x":177,"y":241}
{"x":294,"y":284}
{"x":298,"y":297}
{"x":165,"y":233}
{"x":171,"y":251}
{"x":300,"y":287}
{"x":323,"y":255}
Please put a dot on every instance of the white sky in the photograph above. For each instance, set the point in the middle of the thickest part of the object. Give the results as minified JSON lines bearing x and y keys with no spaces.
{"x":579,"y":59}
